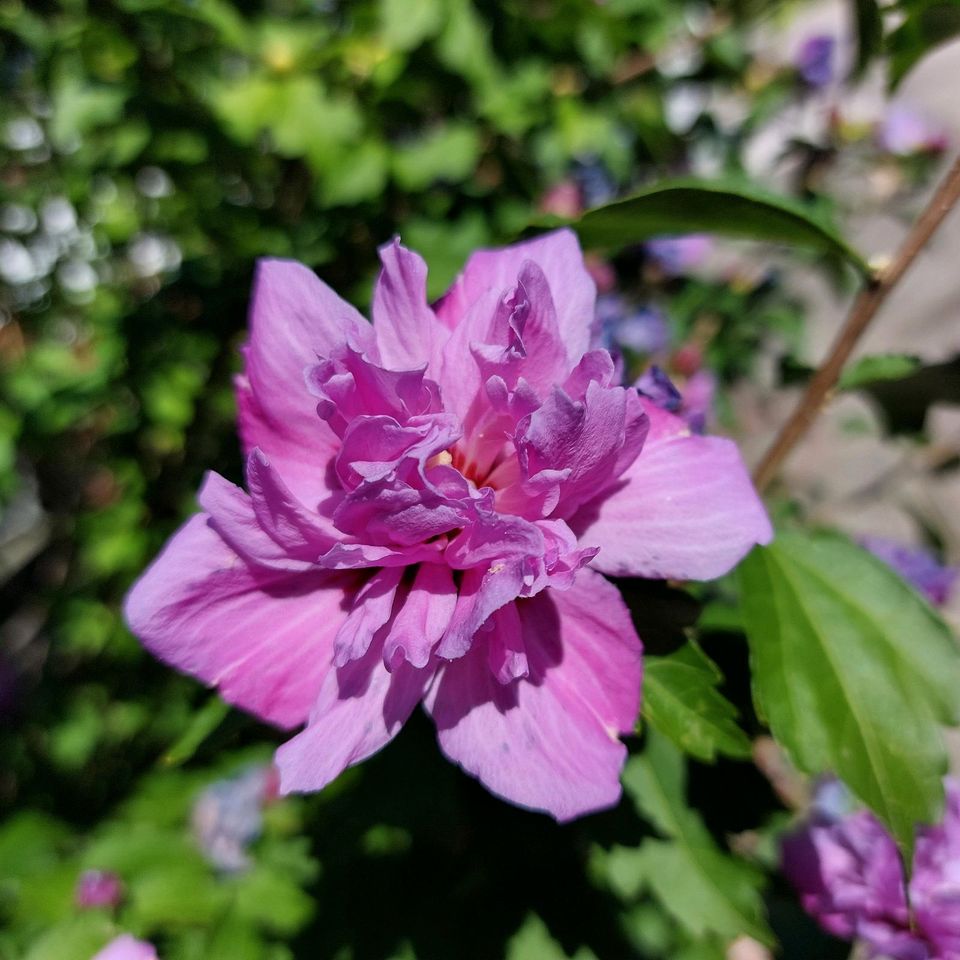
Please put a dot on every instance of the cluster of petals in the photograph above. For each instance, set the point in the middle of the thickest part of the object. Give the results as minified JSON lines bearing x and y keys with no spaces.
{"x":850,"y":877}
{"x":430,"y":502}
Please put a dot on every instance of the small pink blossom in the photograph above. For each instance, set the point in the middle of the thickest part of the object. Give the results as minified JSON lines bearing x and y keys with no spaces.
{"x":431,"y":501}
{"x":562,"y":200}
{"x":98,"y":888}
{"x":126,"y":947}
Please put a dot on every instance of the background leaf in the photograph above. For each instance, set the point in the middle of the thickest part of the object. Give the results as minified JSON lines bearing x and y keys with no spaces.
{"x":706,"y":890}
{"x":690,"y":206}
{"x":681,"y":700}
{"x":928,"y":24}
{"x":854,"y":672}
{"x":889,"y":366}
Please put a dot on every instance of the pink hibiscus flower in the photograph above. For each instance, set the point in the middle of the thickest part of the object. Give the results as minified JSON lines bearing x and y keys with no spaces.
{"x":431,"y":500}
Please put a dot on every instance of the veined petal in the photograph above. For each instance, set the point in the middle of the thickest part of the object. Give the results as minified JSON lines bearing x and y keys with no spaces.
{"x":422,"y":618}
{"x":685,"y":509}
{"x":548,"y":742}
{"x":408,"y":332}
{"x":590,"y":441}
{"x":371,"y":609}
{"x":361,"y":707}
{"x":263,"y":638}
{"x":558,"y":255}
{"x":294,"y":318}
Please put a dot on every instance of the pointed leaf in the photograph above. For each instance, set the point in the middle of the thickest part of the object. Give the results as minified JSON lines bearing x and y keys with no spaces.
{"x":706,"y":890}
{"x":854,"y":672}
{"x":681,"y":700}
{"x":734,"y":210}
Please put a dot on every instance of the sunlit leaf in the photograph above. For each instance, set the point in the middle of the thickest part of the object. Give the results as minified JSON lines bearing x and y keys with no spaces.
{"x":681,"y":700}
{"x":853,"y":671}
{"x":689,"y":206}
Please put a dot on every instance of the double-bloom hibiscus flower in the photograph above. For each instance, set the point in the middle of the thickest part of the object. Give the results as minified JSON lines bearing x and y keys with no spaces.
{"x":431,"y":501}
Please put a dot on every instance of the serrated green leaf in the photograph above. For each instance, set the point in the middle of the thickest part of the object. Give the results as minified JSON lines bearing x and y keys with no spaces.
{"x":735,"y":210}
{"x":533,"y":942}
{"x":681,"y":700}
{"x":853,"y":671}
{"x":889,"y":366}
{"x":706,"y":890}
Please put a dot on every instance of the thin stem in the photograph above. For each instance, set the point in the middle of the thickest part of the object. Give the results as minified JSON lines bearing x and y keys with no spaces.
{"x":864,"y":309}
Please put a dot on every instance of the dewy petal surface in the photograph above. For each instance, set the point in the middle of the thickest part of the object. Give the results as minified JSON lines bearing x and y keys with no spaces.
{"x":550,"y":741}
{"x":264,"y":638}
{"x":685,"y":509}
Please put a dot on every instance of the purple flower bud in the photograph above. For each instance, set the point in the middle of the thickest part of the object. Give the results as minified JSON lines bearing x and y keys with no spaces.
{"x":677,"y":256}
{"x":228,"y":816}
{"x":98,"y":888}
{"x":814,"y":60}
{"x":917,"y":566}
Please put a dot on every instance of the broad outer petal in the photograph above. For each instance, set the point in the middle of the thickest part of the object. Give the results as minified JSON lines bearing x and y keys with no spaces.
{"x":408,"y":332}
{"x":263,"y":638}
{"x":294,"y":318}
{"x":686,"y":508}
{"x":559,"y":256}
{"x":550,"y":741}
{"x":361,"y":708}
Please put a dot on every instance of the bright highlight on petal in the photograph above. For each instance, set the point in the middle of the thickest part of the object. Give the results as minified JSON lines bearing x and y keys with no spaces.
{"x":423,"y":496}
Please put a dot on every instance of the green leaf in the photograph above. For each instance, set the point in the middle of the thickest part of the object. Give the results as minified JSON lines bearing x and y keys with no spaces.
{"x":853,"y":671}
{"x":448,"y":153}
{"x":204,"y":722}
{"x":706,"y":890}
{"x":533,"y":942}
{"x":928,"y":24}
{"x":735,"y":210}
{"x":405,"y":24}
{"x":76,"y":938}
{"x":888,"y":366}
{"x":681,"y":700}
{"x":869,"y":27}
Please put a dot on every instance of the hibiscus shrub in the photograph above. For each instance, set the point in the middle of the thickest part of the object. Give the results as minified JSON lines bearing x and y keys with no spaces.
{"x":503,"y":475}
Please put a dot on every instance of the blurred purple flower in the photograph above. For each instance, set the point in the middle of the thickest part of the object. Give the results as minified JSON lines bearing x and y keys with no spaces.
{"x":694,"y":404}
{"x":905,"y":132}
{"x":698,"y":394}
{"x":126,"y":947}
{"x":656,"y":385}
{"x":679,"y":255}
{"x":849,"y":877}
{"x":618,"y":324}
{"x":917,"y":566}
{"x":97,"y":888}
{"x":814,"y":60}
{"x":596,"y":185}
{"x":228,"y":816}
